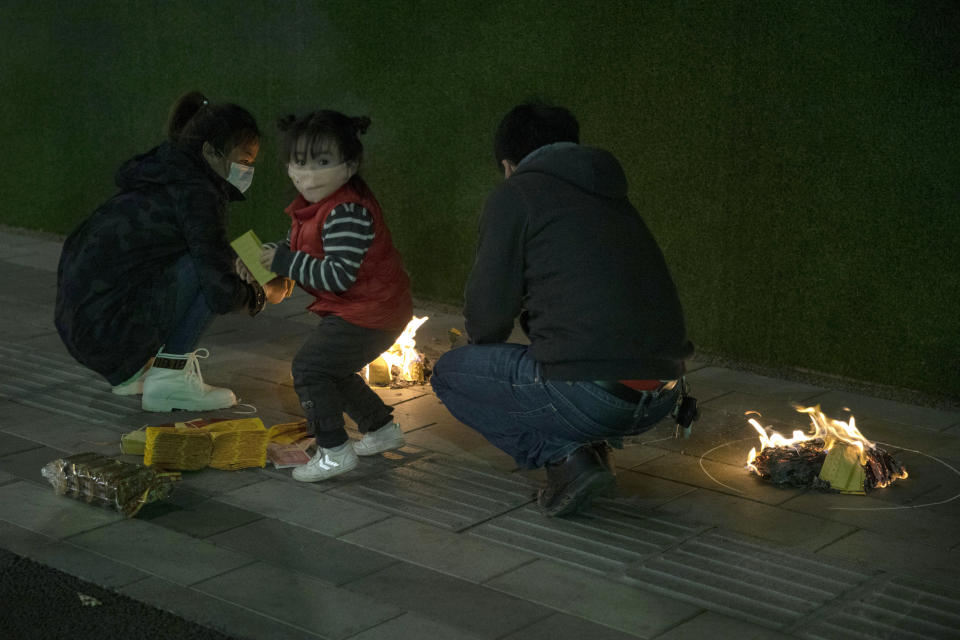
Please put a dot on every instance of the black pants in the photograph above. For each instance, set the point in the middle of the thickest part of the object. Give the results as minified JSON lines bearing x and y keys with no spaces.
{"x":325,"y":377}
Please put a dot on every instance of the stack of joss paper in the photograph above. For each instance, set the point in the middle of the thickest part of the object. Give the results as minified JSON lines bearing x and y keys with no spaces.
{"x":289,"y":444}
{"x":217,"y":443}
{"x":103,"y":481}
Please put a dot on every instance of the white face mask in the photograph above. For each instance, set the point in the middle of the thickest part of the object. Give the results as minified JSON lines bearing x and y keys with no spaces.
{"x":316,"y":184}
{"x":240,"y":176}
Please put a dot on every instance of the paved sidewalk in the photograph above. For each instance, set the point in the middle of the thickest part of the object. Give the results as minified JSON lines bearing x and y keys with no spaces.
{"x":440,"y":540}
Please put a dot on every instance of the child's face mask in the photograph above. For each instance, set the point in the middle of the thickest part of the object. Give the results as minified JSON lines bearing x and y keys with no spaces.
{"x":316,"y":184}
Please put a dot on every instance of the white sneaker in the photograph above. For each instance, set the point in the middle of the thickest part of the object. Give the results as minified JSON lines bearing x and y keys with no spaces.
{"x":386,"y":438}
{"x":327,"y":463}
{"x":167,"y":389}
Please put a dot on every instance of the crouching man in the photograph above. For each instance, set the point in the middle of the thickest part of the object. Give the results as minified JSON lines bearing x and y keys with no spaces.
{"x":562,"y":249}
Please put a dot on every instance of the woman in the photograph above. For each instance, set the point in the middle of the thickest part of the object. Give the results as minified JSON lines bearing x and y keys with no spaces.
{"x":142,"y":278}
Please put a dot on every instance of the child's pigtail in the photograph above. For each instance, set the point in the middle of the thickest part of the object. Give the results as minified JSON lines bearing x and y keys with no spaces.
{"x":360,"y":124}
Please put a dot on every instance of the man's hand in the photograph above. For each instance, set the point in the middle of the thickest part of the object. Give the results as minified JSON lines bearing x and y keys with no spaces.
{"x":243,"y":272}
{"x":278,"y":289}
{"x":266,"y":256}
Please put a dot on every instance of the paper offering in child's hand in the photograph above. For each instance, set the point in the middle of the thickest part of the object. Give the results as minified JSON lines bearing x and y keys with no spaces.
{"x":247,"y":247}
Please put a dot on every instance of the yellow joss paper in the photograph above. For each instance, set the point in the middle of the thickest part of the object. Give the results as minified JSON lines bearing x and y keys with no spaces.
{"x":247,"y":247}
{"x":842,"y":469}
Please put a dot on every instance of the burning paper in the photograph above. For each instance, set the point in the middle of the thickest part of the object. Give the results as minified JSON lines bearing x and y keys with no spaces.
{"x":835,"y":456}
{"x":401,"y":363}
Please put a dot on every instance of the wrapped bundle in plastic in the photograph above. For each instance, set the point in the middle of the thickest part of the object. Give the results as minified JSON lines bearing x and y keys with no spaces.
{"x":105,"y":482}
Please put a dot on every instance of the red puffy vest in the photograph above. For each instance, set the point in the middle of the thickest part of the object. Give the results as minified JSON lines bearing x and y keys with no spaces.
{"x":380,"y":297}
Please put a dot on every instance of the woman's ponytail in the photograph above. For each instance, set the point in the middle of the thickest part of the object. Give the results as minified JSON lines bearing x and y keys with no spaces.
{"x":182,"y":112}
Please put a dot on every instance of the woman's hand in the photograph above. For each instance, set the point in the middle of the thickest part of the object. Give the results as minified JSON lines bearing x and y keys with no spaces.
{"x":243,"y":272}
{"x":278,"y":289}
{"x":266,"y":255}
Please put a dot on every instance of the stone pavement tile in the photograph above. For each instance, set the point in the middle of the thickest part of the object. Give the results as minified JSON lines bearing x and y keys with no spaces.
{"x":441,"y":490}
{"x":635,"y":454}
{"x":400,"y":395}
{"x":26,"y":465}
{"x":716,"y":476}
{"x":260,"y":394}
{"x":422,"y":411}
{"x":893,"y":435}
{"x":41,"y":510}
{"x":774,"y":410}
{"x":897,"y":608}
{"x":66,"y":557}
{"x":449,"y":437}
{"x":869,"y":407}
{"x":709,"y":624}
{"x":302,"y":550}
{"x":648,"y":492}
{"x":300,"y":600}
{"x":14,"y":330}
{"x":412,"y":625}
{"x":303,"y":506}
{"x":200,"y":517}
{"x":926,"y":526}
{"x":464,"y":605}
{"x":162,"y":552}
{"x":903,"y":557}
{"x":743,"y":381}
{"x":214,"y":482}
{"x":213,"y":612}
{"x":58,"y":431}
{"x":10,"y":444}
{"x":585,"y":595}
{"x":439,"y":549}
{"x":773,"y":524}
{"x":716,"y":435}
{"x":7,"y":478}
{"x":30,"y":313}
{"x":44,"y":256}
{"x":561,"y":626}
{"x":606,"y":539}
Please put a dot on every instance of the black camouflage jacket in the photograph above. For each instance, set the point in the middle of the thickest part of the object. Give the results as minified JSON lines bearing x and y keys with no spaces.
{"x":116,"y":290}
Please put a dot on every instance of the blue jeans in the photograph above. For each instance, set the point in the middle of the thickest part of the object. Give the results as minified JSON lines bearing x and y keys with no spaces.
{"x":192,"y":316}
{"x":498,"y":389}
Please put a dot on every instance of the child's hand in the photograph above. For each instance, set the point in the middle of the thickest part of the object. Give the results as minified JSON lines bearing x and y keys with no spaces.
{"x":266,"y":255}
{"x":278,"y":289}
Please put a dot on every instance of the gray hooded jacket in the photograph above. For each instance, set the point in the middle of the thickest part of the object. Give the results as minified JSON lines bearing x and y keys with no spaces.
{"x":562,"y":247}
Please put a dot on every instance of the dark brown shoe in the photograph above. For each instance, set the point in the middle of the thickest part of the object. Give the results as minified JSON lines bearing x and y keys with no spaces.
{"x":605,"y":453}
{"x":574,"y":482}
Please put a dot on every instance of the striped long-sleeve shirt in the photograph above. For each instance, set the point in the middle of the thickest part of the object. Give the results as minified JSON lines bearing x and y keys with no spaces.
{"x":347,"y":235}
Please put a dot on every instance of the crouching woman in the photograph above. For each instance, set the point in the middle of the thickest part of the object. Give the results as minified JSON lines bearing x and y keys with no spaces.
{"x":142,"y":278}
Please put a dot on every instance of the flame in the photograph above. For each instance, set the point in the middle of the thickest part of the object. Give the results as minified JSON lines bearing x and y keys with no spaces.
{"x":401,"y":361}
{"x":827,"y":429}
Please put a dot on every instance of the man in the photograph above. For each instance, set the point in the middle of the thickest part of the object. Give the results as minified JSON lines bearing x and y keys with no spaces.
{"x":563,"y":250}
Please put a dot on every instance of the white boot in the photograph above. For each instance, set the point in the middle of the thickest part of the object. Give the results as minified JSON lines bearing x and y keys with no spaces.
{"x":386,"y":438}
{"x":327,"y":463}
{"x":166,"y":388}
{"x":134,"y":385}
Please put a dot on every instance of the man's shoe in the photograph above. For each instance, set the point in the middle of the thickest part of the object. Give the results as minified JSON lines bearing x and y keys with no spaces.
{"x":174,"y":382}
{"x":386,"y":438}
{"x":574,"y":482}
{"x":605,"y":453}
{"x":327,"y":463}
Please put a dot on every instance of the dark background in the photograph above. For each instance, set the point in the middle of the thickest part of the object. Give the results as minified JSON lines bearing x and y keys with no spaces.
{"x":798,"y":161}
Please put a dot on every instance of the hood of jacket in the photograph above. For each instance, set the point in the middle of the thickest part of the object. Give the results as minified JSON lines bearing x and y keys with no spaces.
{"x":166,"y":165}
{"x":593,"y":170}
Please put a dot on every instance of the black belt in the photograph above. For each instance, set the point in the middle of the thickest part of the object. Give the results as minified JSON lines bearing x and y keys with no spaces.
{"x":629,"y":394}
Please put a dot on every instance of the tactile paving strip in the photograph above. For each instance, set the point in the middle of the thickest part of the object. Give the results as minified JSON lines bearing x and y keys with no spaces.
{"x":745,"y":580}
{"x":603,"y":541}
{"x":53,"y":384}
{"x":900,"y":608}
{"x":441,"y":491}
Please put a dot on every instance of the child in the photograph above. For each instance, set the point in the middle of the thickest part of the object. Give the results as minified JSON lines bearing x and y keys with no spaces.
{"x":339,"y":250}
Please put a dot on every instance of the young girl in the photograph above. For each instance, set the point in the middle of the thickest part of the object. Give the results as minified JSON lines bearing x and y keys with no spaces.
{"x":339,"y":250}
